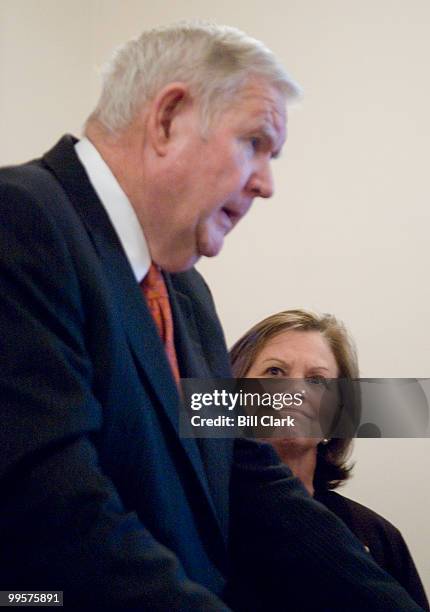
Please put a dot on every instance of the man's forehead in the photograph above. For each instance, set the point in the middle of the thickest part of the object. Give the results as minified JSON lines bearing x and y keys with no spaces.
{"x":260,"y":95}
{"x":266,"y":106}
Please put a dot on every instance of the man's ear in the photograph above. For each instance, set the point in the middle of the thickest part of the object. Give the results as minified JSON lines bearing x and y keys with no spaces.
{"x":164,"y":109}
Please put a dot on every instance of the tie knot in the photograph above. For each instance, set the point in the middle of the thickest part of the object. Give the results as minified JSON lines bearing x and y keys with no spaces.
{"x":153,"y":284}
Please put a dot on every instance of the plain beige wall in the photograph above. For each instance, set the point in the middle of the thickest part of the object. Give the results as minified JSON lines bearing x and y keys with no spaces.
{"x":347,"y":229}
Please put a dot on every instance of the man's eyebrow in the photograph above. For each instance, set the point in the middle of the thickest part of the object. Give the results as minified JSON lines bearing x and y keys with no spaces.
{"x":269,"y":134}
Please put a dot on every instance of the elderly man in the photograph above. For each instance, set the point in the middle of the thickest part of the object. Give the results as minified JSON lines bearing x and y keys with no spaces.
{"x":101,"y":312}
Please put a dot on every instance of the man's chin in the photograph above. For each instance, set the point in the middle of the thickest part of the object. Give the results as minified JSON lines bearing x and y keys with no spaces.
{"x":178,"y":266}
{"x":177,"y":263}
{"x":204,"y":248}
{"x":210,"y":248}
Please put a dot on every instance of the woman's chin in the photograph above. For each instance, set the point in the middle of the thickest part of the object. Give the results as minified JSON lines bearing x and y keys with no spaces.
{"x":294,"y":445}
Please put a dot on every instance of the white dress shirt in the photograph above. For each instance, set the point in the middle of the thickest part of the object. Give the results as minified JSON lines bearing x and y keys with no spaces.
{"x":118,"y":207}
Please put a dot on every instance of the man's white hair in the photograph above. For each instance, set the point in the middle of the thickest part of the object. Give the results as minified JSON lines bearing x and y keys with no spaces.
{"x":214,"y":61}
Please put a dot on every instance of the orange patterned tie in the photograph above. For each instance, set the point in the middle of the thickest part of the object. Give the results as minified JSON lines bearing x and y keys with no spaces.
{"x":155,"y":292}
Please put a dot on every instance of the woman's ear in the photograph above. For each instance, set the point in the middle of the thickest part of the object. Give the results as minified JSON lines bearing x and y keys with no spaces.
{"x":164,"y":109}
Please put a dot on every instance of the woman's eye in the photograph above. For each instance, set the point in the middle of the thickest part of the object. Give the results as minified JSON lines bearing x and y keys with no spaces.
{"x":317,"y":380}
{"x":274,"y":371}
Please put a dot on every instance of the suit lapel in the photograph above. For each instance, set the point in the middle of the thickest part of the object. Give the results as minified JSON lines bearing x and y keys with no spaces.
{"x":215,"y":453}
{"x":147,"y":347}
{"x":187,"y":339}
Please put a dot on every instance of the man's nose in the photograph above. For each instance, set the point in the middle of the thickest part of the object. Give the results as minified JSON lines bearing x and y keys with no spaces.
{"x":261,"y":182}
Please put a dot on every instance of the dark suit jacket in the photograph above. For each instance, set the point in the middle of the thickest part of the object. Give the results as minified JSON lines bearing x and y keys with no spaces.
{"x":384,"y":541}
{"x":100,"y":497}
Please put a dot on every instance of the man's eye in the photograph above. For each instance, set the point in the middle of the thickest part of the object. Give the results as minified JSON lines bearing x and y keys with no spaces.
{"x":255,"y":142}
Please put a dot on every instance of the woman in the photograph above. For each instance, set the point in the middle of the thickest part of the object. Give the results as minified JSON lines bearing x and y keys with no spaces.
{"x":304,"y":345}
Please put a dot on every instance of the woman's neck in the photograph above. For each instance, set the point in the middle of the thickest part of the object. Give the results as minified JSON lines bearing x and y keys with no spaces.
{"x":301,"y":460}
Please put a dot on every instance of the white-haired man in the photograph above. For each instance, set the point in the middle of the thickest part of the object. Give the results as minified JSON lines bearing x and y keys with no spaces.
{"x":101,"y":312}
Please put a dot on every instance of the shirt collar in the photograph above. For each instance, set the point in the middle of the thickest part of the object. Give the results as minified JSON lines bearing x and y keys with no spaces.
{"x":117,"y":206}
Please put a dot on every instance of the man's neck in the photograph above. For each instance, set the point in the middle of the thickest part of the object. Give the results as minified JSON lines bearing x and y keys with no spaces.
{"x":112,"y":151}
